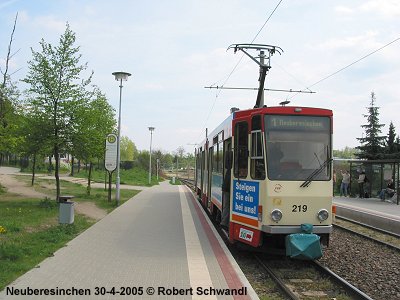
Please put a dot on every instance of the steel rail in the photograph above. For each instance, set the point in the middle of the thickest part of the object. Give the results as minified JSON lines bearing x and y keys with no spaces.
{"x":369,"y":226}
{"x":188,"y":182}
{"x":368,"y":237}
{"x":280,"y":283}
{"x":352,"y":290}
{"x":355,"y":292}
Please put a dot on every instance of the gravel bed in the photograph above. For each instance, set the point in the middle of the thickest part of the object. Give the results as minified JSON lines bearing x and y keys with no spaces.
{"x":372,"y":268}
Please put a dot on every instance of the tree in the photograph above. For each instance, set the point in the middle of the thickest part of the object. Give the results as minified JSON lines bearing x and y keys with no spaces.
{"x":92,"y":122}
{"x":143,"y":160}
{"x":390,"y":141}
{"x":9,"y":120}
{"x":8,"y":95}
{"x":346,"y":153}
{"x":33,"y":132}
{"x":180,"y":151}
{"x":128,"y":149}
{"x":397,"y":147}
{"x":372,"y":144}
{"x":57,"y":91}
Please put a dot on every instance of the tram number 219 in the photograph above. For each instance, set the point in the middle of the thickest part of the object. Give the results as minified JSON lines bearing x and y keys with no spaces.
{"x":299,"y":208}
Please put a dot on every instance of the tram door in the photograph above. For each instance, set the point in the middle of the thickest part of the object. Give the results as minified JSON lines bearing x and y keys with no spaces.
{"x":209,"y":178}
{"x":241,"y":149}
{"x":202,"y":164}
{"x":227,"y":179}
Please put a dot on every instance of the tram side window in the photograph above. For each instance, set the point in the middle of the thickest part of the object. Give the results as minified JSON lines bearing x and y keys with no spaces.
{"x":257,"y":167}
{"x":241,"y":150}
{"x":215,"y":166}
{"x":217,"y":158}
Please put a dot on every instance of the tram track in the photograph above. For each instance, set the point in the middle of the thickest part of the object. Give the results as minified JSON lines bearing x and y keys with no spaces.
{"x":377,"y":235}
{"x":368,"y":226}
{"x":308,"y":280}
{"x":266,"y":285}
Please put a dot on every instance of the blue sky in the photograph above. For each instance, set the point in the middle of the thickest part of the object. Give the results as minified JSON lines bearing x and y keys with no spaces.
{"x":175,"y":48}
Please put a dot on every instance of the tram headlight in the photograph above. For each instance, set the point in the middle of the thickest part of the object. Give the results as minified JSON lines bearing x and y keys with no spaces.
{"x":276,"y":215}
{"x":322,"y":215}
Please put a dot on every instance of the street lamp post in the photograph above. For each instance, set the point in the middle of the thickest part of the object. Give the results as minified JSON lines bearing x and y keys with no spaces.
{"x":151,"y":139}
{"x":158,"y":166}
{"x":119,"y":76}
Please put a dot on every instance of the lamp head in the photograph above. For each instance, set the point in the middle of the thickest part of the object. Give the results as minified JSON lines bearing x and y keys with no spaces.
{"x":121,"y":76}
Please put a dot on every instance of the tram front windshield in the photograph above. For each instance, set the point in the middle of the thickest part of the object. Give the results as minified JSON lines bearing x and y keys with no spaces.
{"x":297,"y":146}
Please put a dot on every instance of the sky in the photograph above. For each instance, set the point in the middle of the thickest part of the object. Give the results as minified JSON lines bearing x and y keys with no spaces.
{"x":174,"y":49}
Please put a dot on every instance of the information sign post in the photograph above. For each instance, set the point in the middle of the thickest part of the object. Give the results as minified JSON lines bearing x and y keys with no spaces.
{"x":110,"y":162}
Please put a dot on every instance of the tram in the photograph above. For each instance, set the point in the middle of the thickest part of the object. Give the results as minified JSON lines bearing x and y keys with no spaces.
{"x":269,"y":170}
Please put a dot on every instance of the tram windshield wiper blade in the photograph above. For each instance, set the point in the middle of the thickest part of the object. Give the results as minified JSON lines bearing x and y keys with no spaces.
{"x":309,"y":179}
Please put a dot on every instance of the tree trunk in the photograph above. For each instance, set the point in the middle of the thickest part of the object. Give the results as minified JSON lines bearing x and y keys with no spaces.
{"x":33,"y":168}
{"x":72,"y":165}
{"x":79,"y":165}
{"x":56,"y":173}
{"x":50,"y":165}
{"x":89,"y":178}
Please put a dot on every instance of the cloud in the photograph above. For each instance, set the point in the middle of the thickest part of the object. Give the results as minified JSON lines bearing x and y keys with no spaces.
{"x":388,"y":8}
{"x":366,"y":40}
{"x":50,"y":23}
{"x":344,"y":10}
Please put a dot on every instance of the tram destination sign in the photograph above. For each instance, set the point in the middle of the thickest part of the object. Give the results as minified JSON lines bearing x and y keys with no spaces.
{"x":297,"y":123}
{"x":110,"y":162}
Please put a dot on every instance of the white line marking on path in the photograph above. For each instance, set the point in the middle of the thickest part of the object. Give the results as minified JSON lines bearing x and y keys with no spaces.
{"x":198,"y":270}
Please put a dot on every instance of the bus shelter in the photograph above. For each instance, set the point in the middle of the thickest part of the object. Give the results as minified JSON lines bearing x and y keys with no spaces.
{"x":377,"y":172}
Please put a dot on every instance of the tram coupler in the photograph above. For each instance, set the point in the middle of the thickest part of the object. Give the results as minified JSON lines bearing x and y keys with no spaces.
{"x":305,"y":245}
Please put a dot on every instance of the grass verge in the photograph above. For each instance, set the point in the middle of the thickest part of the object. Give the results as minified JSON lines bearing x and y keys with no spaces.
{"x":29,"y":229}
{"x":30,"y":234}
{"x":132,"y":177}
{"x":99,"y":196}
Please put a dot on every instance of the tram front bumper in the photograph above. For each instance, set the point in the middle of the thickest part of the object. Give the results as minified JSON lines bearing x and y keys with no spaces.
{"x":278,"y":229}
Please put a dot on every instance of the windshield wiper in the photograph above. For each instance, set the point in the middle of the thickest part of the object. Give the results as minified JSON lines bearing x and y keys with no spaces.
{"x":309,"y":179}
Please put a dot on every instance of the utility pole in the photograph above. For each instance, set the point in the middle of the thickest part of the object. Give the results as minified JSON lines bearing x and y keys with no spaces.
{"x":262,"y":57}
{"x":151,"y":139}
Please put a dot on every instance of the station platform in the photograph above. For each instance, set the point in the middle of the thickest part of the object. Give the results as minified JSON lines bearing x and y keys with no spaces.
{"x":157,"y":245}
{"x":371,"y":211}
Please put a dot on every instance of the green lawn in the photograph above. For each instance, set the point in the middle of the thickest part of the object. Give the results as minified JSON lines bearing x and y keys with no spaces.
{"x":29,"y":229}
{"x":132,"y":177}
{"x":97,"y":195}
{"x":30,"y":234}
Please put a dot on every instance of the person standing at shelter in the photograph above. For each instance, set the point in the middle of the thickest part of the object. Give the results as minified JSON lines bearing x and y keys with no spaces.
{"x":361,"y":181}
{"x":334,"y":182}
{"x":345,"y":183}
{"x":389,"y":190}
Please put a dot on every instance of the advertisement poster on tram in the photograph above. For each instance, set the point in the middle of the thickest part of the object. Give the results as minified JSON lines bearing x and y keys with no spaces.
{"x":245,"y":198}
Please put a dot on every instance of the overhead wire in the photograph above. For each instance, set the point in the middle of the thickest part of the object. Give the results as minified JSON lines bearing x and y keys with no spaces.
{"x":237,"y":64}
{"x":349,"y":65}
{"x":258,"y":33}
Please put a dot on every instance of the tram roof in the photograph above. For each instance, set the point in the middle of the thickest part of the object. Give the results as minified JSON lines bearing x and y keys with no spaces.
{"x":295,"y":110}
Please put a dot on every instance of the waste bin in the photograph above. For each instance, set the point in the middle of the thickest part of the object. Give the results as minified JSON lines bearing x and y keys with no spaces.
{"x":173,"y":180}
{"x":66,"y":212}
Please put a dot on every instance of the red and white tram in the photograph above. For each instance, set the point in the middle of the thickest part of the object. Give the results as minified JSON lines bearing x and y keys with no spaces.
{"x":274,"y":164}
